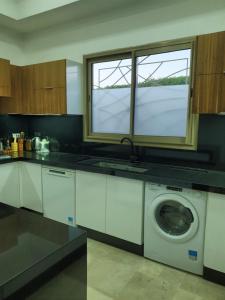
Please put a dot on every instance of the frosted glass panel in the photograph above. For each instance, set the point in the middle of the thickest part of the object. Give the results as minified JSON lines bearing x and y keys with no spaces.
{"x":162,"y":94}
{"x":111,"y":93}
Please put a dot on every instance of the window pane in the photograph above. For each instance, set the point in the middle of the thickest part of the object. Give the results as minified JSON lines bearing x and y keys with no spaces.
{"x":162,"y":92}
{"x":111,"y":90}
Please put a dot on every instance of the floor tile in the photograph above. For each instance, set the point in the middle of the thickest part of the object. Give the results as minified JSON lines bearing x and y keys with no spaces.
{"x":203,"y":288}
{"x":93,"y":294}
{"x":120,"y":275}
{"x":143,"y":287}
{"x":185,"y":295}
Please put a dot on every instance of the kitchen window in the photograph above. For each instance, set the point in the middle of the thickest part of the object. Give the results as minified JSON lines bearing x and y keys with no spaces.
{"x":143,"y":93}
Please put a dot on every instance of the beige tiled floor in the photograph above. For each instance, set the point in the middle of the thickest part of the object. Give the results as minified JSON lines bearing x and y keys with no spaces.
{"x":114,"y":274}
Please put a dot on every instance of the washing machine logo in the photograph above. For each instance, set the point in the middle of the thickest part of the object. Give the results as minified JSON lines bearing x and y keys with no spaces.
{"x":193,"y":255}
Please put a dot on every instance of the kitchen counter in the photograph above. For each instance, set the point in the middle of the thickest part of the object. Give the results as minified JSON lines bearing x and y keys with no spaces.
{"x":189,"y":175}
{"x":34,"y":248}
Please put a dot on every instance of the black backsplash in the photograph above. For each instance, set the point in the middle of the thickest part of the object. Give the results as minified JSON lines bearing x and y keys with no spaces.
{"x":10,"y":124}
{"x":68,"y":130}
{"x":211,"y":136}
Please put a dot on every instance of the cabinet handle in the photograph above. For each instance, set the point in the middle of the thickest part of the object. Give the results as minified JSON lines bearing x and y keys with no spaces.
{"x":48,"y":87}
{"x":57,"y":172}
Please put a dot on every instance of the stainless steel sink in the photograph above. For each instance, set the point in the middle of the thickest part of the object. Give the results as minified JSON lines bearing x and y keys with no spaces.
{"x":118,"y":166}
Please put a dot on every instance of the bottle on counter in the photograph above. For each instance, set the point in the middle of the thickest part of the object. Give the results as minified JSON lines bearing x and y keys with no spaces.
{"x":20,"y":142}
{"x":1,"y":147}
{"x":14,"y":144}
{"x":28,"y":144}
{"x":7,"y":148}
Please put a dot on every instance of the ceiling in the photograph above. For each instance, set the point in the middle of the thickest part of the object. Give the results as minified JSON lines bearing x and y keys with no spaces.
{"x":26,"y":16}
{"x":21,"y":9}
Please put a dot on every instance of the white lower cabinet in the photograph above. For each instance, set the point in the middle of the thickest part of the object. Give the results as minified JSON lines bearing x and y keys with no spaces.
{"x":90,"y":200}
{"x":31,"y":186}
{"x":124,"y":209}
{"x":214,"y":254}
{"x":111,"y":205}
{"x":9,"y":184}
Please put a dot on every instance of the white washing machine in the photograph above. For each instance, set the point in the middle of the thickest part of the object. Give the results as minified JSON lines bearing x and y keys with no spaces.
{"x":174,"y":226}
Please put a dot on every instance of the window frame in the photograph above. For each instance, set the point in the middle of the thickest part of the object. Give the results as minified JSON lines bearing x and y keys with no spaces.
{"x":188,"y":142}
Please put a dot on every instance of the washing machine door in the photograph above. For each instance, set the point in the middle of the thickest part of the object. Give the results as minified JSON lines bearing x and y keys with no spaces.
{"x":174,"y":217}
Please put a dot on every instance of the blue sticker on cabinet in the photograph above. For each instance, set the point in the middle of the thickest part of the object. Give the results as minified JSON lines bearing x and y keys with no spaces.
{"x":70,"y":220}
{"x":193,"y":254}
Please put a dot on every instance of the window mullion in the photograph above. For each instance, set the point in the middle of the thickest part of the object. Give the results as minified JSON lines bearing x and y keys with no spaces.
{"x":90,"y":78}
{"x":133,"y":88}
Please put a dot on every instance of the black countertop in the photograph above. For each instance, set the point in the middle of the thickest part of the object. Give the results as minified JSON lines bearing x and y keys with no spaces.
{"x":30,"y":244}
{"x":182,"y":174}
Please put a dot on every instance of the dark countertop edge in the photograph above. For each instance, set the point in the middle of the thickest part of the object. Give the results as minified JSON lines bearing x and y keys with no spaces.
{"x":40,"y":267}
{"x":146,"y":177}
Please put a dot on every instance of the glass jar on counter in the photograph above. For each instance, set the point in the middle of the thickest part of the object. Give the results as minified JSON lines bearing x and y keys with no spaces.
{"x":28,"y":145}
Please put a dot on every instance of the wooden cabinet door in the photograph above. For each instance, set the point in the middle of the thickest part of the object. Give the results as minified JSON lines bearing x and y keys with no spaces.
{"x":124,"y":209}
{"x":209,"y":88}
{"x":210,"y":53}
{"x":44,"y":88}
{"x":13,"y":104}
{"x":29,"y":105}
{"x":222,"y":96}
{"x":28,"y":77}
{"x":49,"y":101}
{"x":50,"y":74}
{"x":208,"y":94}
{"x":28,"y":89}
{"x":91,"y":200}
{"x":5,"y":81}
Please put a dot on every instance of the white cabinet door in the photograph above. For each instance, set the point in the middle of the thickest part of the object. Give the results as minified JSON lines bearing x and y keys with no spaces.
{"x":124,"y":209}
{"x":90,"y":200}
{"x":214,"y":254}
{"x":31,"y":186}
{"x":59,"y":195}
{"x":9,"y":184}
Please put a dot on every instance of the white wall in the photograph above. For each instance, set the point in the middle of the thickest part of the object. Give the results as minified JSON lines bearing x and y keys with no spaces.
{"x":156,"y":21}
{"x":11,"y":46}
{"x":147,"y":22}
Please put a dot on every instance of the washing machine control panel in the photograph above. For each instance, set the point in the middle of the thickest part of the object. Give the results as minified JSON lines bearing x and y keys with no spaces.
{"x":154,"y":187}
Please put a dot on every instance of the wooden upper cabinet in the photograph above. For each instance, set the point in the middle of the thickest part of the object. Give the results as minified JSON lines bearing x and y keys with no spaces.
{"x":209,"y":91}
{"x":211,"y":53}
{"x":28,"y":77}
{"x":46,"y":93}
{"x":222,"y":95}
{"x":49,"y":88}
{"x":41,"y":93}
{"x":207,"y":94}
{"x":29,"y":106}
{"x":5,"y":80}
{"x":56,"y":88}
{"x":14,"y":104}
{"x":50,"y":75}
{"x":46,"y":88}
{"x":49,"y":101}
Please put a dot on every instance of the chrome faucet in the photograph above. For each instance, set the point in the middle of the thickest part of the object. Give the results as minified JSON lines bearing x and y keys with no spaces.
{"x":133,"y":155}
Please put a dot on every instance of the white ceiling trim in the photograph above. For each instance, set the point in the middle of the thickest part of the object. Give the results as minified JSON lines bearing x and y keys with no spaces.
{"x":21,"y":9}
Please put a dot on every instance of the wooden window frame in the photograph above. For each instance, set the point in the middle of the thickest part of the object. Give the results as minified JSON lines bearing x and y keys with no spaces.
{"x":188,"y":142}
